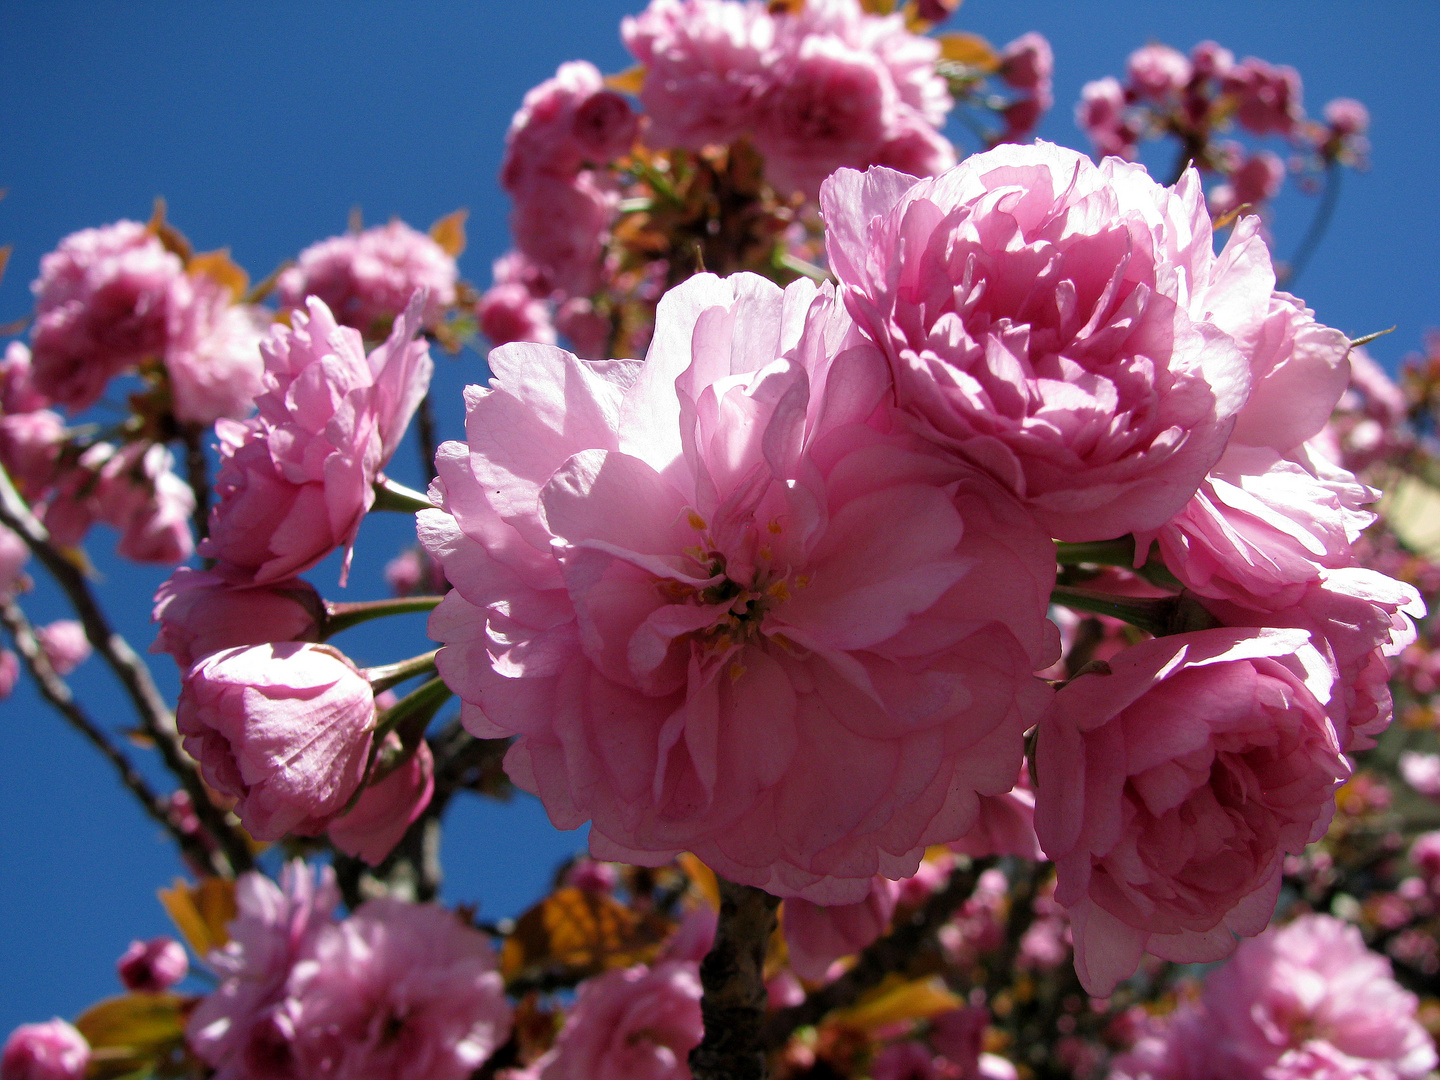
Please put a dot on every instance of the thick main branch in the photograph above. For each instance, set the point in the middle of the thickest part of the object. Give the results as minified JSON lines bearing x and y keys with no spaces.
{"x":733,"y":977}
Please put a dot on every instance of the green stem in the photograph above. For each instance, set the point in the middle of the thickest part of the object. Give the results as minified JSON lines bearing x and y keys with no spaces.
{"x":387,"y":675}
{"x":1118,"y":552}
{"x":392,"y":496}
{"x":1159,"y":616}
{"x":408,"y":718}
{"x":343,"y":616}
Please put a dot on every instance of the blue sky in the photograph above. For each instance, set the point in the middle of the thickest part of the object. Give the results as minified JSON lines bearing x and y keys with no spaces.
{"x":263,"y":124}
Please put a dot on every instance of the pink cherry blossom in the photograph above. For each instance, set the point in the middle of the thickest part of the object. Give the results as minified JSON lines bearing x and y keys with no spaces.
{"x":1211,"y":60}
{"x":699,"y":544}
{"x":567,"y":123}
{"x":1307,"y":1001}
{"x":397,"y":990}
{"x":587,"y":330}
{"x":274,"y":926}
{"x":1102,"y":409}
{"x":102,"y":305}
{"x":132,"y":488}
{"x":1100,"y":113}
{"x":153,"y":966}
{"x":387,"y":808}
{"x":1158,"y":71}
{"x":1257,"y":178}
{"x":707,"y":63}
{"x":1005,"y":826}
{"x":636,"y":1024}
{"x":1028,"y":62}
{"x":561,"y":226}
{"x":1421,"y":772}
{"x":49,"y":1051}
{"x":366,"y":279}
{"x":1170,"y":789}
{"x":14,"y":554}
{"x":1267,"y":96}
{"x":30,"y":444}
{"x":64,"y":644}
{"x":816,"y":936}
{"x":508,"y":312}
{"x":212,"y":353}
{"x":200,"y":613}
{"x":296,"y":480}
{"x":1358,"y":619}
{"x":1346,"y":116}
{"x":17,"y":381}
{"x":284,"y":729}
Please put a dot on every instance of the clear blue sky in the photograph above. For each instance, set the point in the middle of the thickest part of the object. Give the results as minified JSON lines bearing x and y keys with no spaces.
{"x":263,"y":124}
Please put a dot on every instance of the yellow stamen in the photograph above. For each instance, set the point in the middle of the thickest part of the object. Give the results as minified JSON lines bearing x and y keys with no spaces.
{"x":696,"y":521}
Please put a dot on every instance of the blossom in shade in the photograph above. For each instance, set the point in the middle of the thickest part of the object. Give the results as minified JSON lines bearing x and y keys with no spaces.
{"x":561,"y":225}
{"x":1053,"y":322}
{"x":132,"y":488}
{"x":397,"y":990}
{"x":637,"y":1024}
{"x":1421,"y":772}
{"x":586,"y":329}
{"x":817,"y":936}
{"x":102,"y":305}
{"x":368,"y":278}
{"x":17,"y":381}
{"x":707,"y":64}
{"x":283,"y":728}
{"x":1005,"y":826}
{"x":371,"y":828}
{"x":1170,"y":789}
{"x":296,"y":480}
{"x":593,"y":876}
{"x":153,"y":966}
{"x":1257,"y":178}
{"x":49,"y":1051}
{"x":212,"y":353}
{"x":1028,"y":63}
{"x":200,"y":613}
{"x":1307,"y":1001}
{"x":699,"y":545}
{"x":64,"y":644}
{"x":275,"y":925}
{"x":1267,"y":96}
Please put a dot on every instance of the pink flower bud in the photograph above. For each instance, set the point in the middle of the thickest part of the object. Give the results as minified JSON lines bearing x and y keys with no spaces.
{"x":591,"y":875}
{"x":65,"y":645}
{"x":508,"y":312}
{"x":1100,"y":113}
{"x":1267,"y":96}
{"x":1028,"y":62}
{"x":1346,"y":116}
{"x":1211,"y":61}
{"x":50,"y":1051}
{"x":199,"y":613}
{"x":934,"y":11}
{"x":283,"y":728}
{"x":387,"y":808}
{"x":153,"y":966}
{"x":9,"y":673}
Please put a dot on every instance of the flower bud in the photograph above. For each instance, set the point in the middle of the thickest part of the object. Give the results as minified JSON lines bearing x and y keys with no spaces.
{"x":282,"y":728}
{"x":153,"y":966}
{"x":51,"y":1051}
{"x":65,"y":645}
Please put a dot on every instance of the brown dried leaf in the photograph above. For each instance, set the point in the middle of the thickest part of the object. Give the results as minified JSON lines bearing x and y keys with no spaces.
{"x":201,"y":912}
{"x":449,"y":232}
{"x":972,"y":50}
{"x":896,"y":1000}
{"x":219,"y":267}
{"x":173,"y":239}
{"x":628,"y":81}
{"x":574,"y":934}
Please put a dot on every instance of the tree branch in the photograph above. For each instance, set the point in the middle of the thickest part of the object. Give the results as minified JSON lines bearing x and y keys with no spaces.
{"x":155,"y":716}
{"x":894,"y":952}
{"x":57,"y":692}
{"x":197,"y":475}
{"x":733,"y":975}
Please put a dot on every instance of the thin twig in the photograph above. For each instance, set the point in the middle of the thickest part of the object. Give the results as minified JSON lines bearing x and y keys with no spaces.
{"x":894,"y":952}
{"x":155,"y":716}
{"x":57,"y":692}
{"x":197,"y":474}
{"x":1329,"y":199}
{"x":425,"y":436}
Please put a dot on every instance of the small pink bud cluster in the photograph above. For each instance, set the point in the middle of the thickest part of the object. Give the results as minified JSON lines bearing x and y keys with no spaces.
{"x":50,"y":1051}
{"x":394,"y":990}
{"x":153,"y":966}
